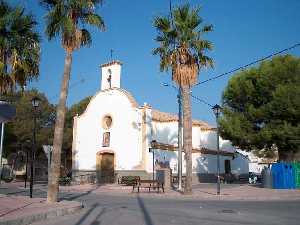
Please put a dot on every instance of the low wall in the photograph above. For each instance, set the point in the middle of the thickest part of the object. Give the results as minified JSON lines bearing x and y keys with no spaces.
{"x":91,"y":176}
{"x":212,"y":178}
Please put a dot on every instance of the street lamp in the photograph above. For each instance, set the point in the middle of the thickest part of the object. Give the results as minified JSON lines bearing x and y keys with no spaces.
{"x":217,"y":111}
{"x":35,"y":101}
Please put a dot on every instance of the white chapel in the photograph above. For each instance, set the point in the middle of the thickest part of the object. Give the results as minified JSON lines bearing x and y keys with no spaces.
{"x":114,"y":134}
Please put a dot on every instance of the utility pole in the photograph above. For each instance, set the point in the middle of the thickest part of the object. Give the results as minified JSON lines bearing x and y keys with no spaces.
{"x":179,"y":140}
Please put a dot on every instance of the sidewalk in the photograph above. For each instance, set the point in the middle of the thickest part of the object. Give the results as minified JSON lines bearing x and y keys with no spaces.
{"x":234,"y":192}
{"x":203,"y":191}
{"x":15,"y":210}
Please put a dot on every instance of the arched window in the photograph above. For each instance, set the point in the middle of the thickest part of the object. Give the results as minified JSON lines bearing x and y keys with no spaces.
{"x":107,"y":122}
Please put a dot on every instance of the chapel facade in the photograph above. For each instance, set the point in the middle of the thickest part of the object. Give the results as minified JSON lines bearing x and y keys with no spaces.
{"x":113,"y":137}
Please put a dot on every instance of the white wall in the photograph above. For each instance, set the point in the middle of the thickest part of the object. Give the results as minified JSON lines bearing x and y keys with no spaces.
{"x":124,"y":133}
{"x":208,"y":139}
{"x":240,"y":164}
{"x":202,"y":163}
{"x":167,"y":132}
{"x":126,"y":138}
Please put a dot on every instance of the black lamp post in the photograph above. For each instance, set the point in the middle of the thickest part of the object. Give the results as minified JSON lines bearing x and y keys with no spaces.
{"x":217,"y":111}
{"x":35,"y":104}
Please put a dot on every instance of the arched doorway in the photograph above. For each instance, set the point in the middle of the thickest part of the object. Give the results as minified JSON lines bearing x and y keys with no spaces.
{"x":105,"y":165}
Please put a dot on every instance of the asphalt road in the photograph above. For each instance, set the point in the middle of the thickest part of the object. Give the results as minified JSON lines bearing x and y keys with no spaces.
{"x":140,"y":210}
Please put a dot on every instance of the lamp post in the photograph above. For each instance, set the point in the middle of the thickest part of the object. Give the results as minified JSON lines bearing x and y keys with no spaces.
{"x":35,"y":101}
{"x":217,"y":110}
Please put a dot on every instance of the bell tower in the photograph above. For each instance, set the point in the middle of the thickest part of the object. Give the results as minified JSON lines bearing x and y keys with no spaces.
{"x":111,"y":75}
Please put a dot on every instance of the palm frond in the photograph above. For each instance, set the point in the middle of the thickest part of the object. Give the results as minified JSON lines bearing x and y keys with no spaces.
{"x":181,"y":46}
{"x":207,"y":28}
{"x":67,"y":19}
{"x":205,"y":61}
{"x":86,"y":39}
{"x":94,"y":19}
{"x":19,"y":47}
{"x":162,"y":24}
{"x":48,"y":3}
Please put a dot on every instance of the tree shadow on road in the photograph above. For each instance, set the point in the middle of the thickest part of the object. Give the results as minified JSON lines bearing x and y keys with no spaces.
{"x":83,"y":218}
{"x":96,"y":222}
{"x":147,"y":217}
{"x":74,"y":196}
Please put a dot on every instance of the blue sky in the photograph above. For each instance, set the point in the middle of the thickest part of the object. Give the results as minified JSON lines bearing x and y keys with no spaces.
{"x":243,"y":32}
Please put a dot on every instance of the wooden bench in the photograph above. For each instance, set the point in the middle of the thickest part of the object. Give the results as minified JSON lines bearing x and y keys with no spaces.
{"x":129,"y":180}
{"x":149,"y":184}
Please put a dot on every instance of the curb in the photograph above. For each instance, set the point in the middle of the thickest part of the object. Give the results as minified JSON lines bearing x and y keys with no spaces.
{"x":196,"y":197}
{"x":28,"y":219}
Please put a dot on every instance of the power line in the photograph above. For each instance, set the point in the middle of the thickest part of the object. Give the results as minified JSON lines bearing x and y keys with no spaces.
{"x":81,"y":81}
{"x":249,"y":64}
{"x":232,"y":71}
{"x":193,"y":96}
{"x":201,"y":100}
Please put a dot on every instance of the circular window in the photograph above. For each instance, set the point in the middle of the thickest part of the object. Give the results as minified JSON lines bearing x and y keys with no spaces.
{"x":107,"y":122}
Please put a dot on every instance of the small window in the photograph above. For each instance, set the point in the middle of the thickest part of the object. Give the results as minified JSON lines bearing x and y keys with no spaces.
{"x":106,"y":139}
{"x":107,"y":122}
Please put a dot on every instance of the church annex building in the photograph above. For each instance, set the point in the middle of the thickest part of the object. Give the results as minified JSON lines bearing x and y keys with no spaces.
{"x":113,"y":136}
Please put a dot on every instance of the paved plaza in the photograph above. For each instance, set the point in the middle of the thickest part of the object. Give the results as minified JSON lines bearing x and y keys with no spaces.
{"x":139,"y":210}
{"x":115,"y":204}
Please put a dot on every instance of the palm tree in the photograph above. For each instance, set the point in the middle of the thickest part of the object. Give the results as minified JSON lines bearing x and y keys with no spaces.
{"x":64,"y":18}
{"x":182,"y":50}
{"x":19,"y":48}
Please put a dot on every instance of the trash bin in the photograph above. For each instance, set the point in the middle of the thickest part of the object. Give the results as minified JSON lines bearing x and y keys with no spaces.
{"x":296,"y":167}
{"x":283,"y":176}
{"x":266,"y":178}
{"x":289,"y":169}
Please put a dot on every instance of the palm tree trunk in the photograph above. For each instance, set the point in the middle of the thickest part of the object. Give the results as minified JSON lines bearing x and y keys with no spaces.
{"x":54,"y":173}
{"x":187,"y":137}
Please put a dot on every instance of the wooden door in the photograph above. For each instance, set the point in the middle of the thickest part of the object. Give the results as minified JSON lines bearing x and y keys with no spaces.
{"x":107,"y":167}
